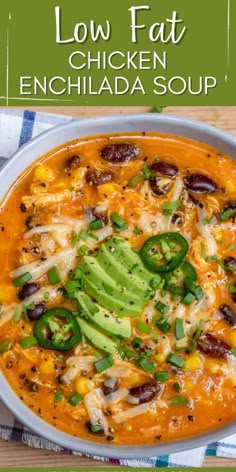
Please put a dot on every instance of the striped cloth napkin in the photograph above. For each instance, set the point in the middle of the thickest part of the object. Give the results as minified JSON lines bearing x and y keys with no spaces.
{"x":16,"y":128}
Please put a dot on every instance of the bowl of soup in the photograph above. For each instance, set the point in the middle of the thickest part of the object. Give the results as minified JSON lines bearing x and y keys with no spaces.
{"x":118,"y":254}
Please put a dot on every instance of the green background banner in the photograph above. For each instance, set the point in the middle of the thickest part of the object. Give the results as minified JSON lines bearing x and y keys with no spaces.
{"x":164,"y":53}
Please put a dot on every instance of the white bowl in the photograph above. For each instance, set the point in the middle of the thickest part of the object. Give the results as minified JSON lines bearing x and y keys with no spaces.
{"x":20,"y":161}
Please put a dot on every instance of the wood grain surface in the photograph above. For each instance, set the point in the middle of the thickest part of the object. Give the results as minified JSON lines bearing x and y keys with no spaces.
{"x":16,"y":455}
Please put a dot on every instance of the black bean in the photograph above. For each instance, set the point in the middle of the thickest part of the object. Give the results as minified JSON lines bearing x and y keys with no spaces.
{"x":23,"y":207}
{"x":73,"y":162}
{"x":212,"y":346}
{"x":229,"y":314}
{"x":28,"y":290}
{"x":230,"y":262}
{"x":36,"y":312}
{"x":119,"y":152}
{"x":164,"y":168}
{"x":97,"y":177}
{"x":145,"y":392}
{"x":199,"y":183}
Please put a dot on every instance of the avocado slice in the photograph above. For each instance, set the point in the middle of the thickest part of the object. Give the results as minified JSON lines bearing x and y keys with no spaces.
{"x":122,"y":276}
{"x":103,"y":318}
{"x":110,"y":303}
{"x":96,"y":338}
{"x":97,"y":276}
{"x":123,"y":253}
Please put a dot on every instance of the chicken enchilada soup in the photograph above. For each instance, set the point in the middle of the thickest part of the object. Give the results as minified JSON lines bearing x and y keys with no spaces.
{"x":118,"y":292}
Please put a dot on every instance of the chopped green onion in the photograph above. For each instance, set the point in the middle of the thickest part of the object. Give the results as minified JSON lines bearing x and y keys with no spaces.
{"x":231,"y":246}
{"x":28,"y":342}
{"x":188,"y":299}
{"x":17,"y":314}
{"x":4,"y":346}
{"x":232,"y":288}
{"x":225,"y":215}
{"x":143,"y":327}
{"x":74,"y":240}
{"x":119,"y":223}
{"x":179,"y":401}
{"x":176,"y":360}
{"x":137,"y":342}
{"x":82,"y":250}
{"x":76,"y":274}
{"x":53,"y":276}
{"x":177,"y":387}
{"x":170,"y":207}
{"x":58,"y":396}
{"x":22,"y":279}
{"x":71,"y":287}
{"x":94,"y":225}
{"x":103,"y":364}
{"x":206,"y":221}
{"x":83,"y":235}
{"x":162,"y":308}
{"x":136,"y":231}
{"x":233,"y":350}
{"x":157,"y":282}
{"x":161,"y":376}
{"x":46,"y":296}
{"x":179,"y":328}
{"x":146,"y":365}
{"x":75,"y":399}
{"x":147,"y":172}
{"x":93,"y":236}
{"x":94,"y":428}
{"x":134,"y":181}
{"x":163,"y":324}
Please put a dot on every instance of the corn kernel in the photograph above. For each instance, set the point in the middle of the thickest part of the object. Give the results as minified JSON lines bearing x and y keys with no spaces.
{"x":213,"y":366}
{"x":193,"y":362}
{"x":230,"y":186}
{"x":46,"y":367}
{"x":232,"y":337}
{"x":43,"y":173}
{"x":189,"y":384}
{"x":160,"y":358}
{"x":108,"y":188}
{"x":218,"y":236}
{"x":81,"y":385}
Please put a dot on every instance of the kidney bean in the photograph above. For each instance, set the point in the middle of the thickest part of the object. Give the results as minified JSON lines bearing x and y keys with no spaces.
{"x":36,"y":312}
{"x":230,"y":262}
{"x":160,"y":186}
{"x":231,"y":205}
{"x":97,"y":177}
{"x":199,"y":183}
{"x":73,"y":162}
{"x":28,"y":290}
{"x":164,"y":168}
{"x":145,"y":392}
{"x":228,"y":314}
{"x":212,"y":346}
{"x":119,"y":152}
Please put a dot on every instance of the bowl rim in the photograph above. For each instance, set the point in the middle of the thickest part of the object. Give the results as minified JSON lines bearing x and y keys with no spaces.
{"x":7,"y":395}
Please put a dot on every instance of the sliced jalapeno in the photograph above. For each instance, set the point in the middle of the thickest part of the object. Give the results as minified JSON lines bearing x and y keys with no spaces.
{"x":174,"y":282}
{"x":164,"y":252}
{"x":57,"y":329}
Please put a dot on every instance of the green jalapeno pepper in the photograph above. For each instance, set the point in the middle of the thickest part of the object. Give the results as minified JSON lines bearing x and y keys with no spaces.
{"x":174,"y":282}
{"x":164,"y":252}
{"x":57,"y":329}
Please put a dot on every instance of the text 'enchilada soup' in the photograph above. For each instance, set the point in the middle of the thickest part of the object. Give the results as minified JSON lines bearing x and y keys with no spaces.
{"x":117,"y":288}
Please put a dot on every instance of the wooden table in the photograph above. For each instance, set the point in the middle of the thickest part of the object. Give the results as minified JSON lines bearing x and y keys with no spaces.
{"x":12,"y":455}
